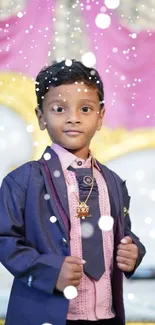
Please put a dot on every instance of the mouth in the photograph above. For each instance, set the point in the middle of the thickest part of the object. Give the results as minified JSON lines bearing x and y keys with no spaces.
{"x":73,"y":132}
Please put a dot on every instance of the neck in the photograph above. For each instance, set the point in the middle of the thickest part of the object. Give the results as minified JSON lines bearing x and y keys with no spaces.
{"x":81,"y":153}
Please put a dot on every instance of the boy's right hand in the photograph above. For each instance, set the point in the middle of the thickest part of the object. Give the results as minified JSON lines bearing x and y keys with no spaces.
{"x":71,"y":273}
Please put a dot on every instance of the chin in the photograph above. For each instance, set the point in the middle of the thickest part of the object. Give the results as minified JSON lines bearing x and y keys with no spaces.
{"x":71,"y":147}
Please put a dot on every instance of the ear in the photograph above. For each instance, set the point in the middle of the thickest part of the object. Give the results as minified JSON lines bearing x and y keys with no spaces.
{"x":39,"y":114}
{"x":100,"y":118}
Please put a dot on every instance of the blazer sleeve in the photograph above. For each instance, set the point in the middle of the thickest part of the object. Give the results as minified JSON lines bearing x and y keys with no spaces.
{"x":20,"y":259}
{"x":128,"y":232}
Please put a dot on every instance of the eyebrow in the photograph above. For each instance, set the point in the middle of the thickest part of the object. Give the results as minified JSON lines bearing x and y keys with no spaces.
{"x":88,"y":100}
{"x":58,"y":100}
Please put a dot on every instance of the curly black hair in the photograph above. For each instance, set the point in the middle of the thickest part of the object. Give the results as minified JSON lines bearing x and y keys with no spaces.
{"x":59,"y":73}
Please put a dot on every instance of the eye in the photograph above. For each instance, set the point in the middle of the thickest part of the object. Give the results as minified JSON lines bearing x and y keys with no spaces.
{"x":86,"y":109}
{"x":58,"y":109}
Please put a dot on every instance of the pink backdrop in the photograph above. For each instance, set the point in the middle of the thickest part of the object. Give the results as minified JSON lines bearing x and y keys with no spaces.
{"x":131,"y":102}
{"x":25,"y":42}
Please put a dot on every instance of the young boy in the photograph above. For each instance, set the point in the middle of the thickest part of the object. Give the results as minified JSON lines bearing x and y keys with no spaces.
{"x":51,"y":236}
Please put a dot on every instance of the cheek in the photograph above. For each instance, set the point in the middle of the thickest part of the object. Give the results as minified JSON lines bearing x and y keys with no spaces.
{"x":55,"y":127}
{"x":93,"y":124}
{"x":54,"y":121}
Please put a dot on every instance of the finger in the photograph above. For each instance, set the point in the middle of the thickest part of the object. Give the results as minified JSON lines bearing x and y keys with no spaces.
{"x":74,"y":275}
{"x":76,"y":268}
{"x":126,"y":240}
{"x":125,"y":261}
{"x":126,"y":254}
{"x":128,"y":247}
{"x":75,"y":283}
{"x":124,"y":267}
{"x":75,"y":260}
{"x":77,"y":276}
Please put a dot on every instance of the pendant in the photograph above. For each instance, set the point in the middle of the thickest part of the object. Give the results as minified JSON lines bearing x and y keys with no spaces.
{"x":83,"y":210}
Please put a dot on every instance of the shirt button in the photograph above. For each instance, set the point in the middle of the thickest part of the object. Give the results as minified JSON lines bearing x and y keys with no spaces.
{"x":79,"y":163}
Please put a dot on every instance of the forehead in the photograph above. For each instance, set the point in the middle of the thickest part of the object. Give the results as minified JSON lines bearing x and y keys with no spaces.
{"x":75,"y":91}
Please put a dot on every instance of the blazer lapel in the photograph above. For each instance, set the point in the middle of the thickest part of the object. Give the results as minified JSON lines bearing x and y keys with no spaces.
{"x":58,"y":180}
{"x":112,"y":191}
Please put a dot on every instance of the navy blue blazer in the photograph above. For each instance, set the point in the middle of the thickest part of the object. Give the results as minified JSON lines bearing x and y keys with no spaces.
{"x":33,"y":249}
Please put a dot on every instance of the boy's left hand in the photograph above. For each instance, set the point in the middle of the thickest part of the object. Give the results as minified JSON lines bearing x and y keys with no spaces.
{"x":127,"y":254}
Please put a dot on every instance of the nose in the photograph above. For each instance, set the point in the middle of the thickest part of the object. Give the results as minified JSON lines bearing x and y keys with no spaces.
{"x":73,"y":117}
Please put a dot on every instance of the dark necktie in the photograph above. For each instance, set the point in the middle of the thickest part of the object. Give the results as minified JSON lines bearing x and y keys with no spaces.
{"x":92,"y":246}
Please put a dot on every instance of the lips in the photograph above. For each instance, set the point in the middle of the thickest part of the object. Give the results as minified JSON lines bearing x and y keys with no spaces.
{"x":76,"y":131}
{"x":73,"y":132}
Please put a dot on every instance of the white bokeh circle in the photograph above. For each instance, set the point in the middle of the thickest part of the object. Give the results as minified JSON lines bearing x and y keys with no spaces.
{"x":70,"y":292}
{"x":112,"y":4}
{"x":53,"y":219}
{"x":102,"y":20}
{"x":88,"y":59}
{"x":106,"y":223}
{"x":68,"y":63}
{"x":46,"y":197}
{"x":47,"y":156}
{"x":56,"y":173}
{"x":87,"y":229}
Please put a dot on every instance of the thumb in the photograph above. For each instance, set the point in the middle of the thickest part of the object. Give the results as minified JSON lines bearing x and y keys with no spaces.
{"x":126,"y":240}
{"x":75,"y":260}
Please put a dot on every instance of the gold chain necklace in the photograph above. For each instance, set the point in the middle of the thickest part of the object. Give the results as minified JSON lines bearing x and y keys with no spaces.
{"x":82,"y":208}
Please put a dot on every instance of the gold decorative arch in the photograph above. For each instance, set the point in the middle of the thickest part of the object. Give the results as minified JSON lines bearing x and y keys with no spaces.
{"x":18,"y":93}
{"x":110,"y":144}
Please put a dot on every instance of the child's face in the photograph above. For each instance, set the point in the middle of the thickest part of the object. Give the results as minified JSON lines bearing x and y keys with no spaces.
{"x":72,"y":115}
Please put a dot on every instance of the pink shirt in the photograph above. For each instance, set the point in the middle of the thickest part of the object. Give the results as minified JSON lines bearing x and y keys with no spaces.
{"x":94,"y":300}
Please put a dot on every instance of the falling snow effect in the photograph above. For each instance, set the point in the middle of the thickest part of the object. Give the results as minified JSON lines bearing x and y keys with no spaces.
{"x":123,"y":50}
